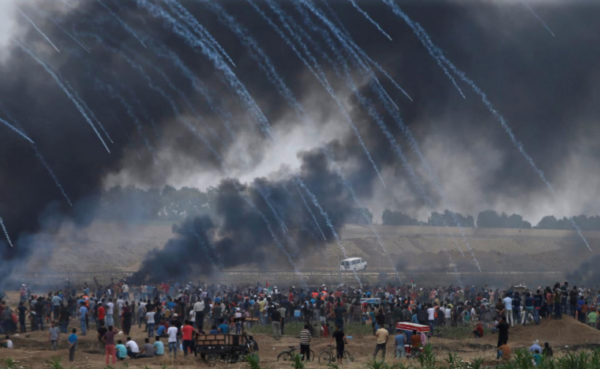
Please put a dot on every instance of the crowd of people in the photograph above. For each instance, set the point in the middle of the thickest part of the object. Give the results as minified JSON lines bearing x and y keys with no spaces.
{"x":178,"y":312}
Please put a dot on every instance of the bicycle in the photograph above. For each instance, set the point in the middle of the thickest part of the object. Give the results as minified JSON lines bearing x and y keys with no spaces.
{"x":330,"y":356}
{"x":288,"y":355}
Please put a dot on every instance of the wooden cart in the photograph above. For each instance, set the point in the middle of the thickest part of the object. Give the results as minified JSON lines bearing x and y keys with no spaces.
{"x":229,"y":348}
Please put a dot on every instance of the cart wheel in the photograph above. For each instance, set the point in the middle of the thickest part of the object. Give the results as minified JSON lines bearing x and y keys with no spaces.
{"x":284,"y":356}
{"x":211,"y":359}
{"x":325,"y":358}
{"x":312,"y":355}
{"x":348,"y":357}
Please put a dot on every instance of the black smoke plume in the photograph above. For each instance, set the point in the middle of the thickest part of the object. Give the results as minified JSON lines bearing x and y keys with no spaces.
{"x":246,"y":224}
{"x":541,"y":84}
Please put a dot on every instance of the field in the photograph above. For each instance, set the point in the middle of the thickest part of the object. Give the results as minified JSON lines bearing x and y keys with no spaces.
{"x":32,"y":350}
{"x":427,"y":254}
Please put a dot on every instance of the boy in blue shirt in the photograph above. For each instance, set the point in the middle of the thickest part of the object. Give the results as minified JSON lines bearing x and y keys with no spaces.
{"x":159,"y":348}
{"x":223,"y":328}
{"x":72,"y":344}
{"x":400,"y":342}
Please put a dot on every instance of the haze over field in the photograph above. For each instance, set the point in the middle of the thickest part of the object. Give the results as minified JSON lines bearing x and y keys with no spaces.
{"x":296,"y":119}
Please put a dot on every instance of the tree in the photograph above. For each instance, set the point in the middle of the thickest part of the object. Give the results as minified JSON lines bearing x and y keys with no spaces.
{"x":397,"y":218}
{"x":450,"y":219}
{"x":491,"y":219}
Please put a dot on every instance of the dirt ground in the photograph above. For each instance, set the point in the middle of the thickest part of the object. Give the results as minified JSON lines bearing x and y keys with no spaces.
{"x":32,"y":350}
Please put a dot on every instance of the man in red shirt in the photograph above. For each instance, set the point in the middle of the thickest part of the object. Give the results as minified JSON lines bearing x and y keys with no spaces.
{"x":101,"y":314}
{"x":187,"y":333}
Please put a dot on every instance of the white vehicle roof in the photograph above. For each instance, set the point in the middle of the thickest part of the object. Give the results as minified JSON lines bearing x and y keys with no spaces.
{"x":349,"y":259}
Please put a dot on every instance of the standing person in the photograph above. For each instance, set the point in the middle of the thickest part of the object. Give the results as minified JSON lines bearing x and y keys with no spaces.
{"x":187,"y":332}
{"x":83,"y":312}
{"x":415,"y":341}
{"x":22,"y":313}
{"x":503,"y":332}
{"x":382,"y":336}
{"x":126,"y":317}
{"x":305,"y":338}
{"x":150,"y":322}
{"x":64,"y":318}
{"x":101,"y":315}
{"x":72,"y":344}
{"x":340,"y":342}
{"x":431,"y":318}
{"x":508,"y":310}
{"x":275,"y":318}
{"x":172,"y":332}
{"x":53,"y":335}
{"x":199,"y":311}
{"x":110,"y":310}
{"x":400,"y":342}
{"x":109,"y":344}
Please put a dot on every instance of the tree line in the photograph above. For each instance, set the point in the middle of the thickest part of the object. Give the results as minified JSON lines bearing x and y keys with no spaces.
{"x":491,"y":219}
{"x":132,"y":204}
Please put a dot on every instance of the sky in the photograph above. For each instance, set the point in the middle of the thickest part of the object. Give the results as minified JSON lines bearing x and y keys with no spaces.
{"x":535,"y":61}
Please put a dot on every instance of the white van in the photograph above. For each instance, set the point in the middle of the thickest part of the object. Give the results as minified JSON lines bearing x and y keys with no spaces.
{"x":353,"y":264}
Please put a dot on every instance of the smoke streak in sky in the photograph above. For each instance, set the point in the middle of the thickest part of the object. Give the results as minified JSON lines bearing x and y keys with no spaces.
{"x":438,"y":54}
{"x":316,"y":100}
{"x":318,"y":73}
{"x":6,"y":232}
{"x":355,"y":5}
{"x":65,"y":90}
{"x":37,"y":29}
{"x":537,"y":17}
{"x":16,"y":130}
{"x":125,"y":25}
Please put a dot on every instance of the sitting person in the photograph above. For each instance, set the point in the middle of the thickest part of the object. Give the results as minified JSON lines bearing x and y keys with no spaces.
{"x":537,"y":358}
{"x":478,"y":331}
{"x":133,"y":350}
{"x":6,"y":343}
{"x":162,"y":329}
{"x":535,"y":347}
{"x":214,"y":330}
{"x":121,"y":350}
{"x":147,"y":350}
{"x":494,"y":326}
{"x":223,"y":327}
{"x":504,"y":352}
{"x":159,"y":347}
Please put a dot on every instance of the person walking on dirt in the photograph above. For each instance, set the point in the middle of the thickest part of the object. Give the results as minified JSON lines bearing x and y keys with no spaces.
{"x":340,"y":344}
{"x":109,"y":345}
{"x":72,"y":344}
{"x":503,"y":332}
{"x":382,"y":336}
{"x":53,"y":336}
{"x":276,"y":323}
{"x":400,"y":342}
{"x":508,"y":310}
{"x":83,"y":312}
{"x":305,"y":338}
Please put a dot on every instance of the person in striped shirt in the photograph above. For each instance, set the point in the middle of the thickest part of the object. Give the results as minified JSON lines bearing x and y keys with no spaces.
{"x":305,"y":338}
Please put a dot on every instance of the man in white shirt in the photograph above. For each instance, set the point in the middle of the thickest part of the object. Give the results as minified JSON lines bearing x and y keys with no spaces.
{"x":110,"y":306}
{"x":199,"y":310}
{"x":431,"y":318}
{"x":172,"y":332}
{"x":133,"y":350}
{"x":150,"y":323}
{"x":508,"y":310}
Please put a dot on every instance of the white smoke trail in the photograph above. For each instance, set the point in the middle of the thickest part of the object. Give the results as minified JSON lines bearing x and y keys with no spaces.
{"x":6,"y":233}
{"x":64,"y":88}
{"x":37,"y":29}
{"x":537,"y":17}
{"x":16,"y":130}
